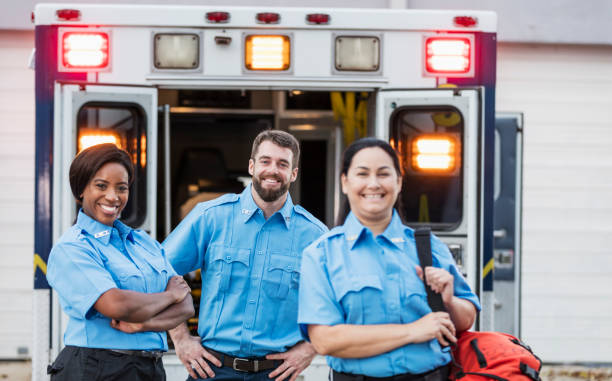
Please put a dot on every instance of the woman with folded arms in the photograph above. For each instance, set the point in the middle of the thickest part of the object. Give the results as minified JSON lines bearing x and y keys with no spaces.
{"x":114,"y":283}
{"x":362,"y":300}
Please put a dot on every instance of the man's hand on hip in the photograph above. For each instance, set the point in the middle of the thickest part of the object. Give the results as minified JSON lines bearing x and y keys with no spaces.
{"x":295,"y":360}
{"x":194,"y":357}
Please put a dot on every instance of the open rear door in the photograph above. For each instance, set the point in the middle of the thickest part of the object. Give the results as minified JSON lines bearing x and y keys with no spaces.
{"x":438,"y":135}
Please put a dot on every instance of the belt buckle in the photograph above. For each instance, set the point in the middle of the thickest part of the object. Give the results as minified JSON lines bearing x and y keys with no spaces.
{"x":156,"y":354}
{"x":237,"y":361}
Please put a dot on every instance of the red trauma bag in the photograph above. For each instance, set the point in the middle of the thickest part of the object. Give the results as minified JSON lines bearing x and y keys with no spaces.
{"x":480,"y":356}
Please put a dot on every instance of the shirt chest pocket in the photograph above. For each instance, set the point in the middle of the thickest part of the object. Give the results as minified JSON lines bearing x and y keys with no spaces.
{"x":230,"y":266}
{"x":361,"y":296}
{"x":158,"y":279}
{"x":414,"y":299}
{"x":281,"y":275}
{"x":127,"y":275}
{"x":151,"y":277}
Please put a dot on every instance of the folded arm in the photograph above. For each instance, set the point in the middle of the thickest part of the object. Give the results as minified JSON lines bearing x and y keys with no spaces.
{"x":167,"y":319}
{"x":137,"y":307}
{"x":358,"y":341}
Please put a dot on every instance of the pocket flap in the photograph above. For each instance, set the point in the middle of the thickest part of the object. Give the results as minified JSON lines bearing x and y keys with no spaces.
{"x":358,"y":283}
{"x":230,"y":254}
{"x":284,"y":262}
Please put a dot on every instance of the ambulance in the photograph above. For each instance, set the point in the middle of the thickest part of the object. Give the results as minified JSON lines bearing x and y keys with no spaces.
{"x":185,"y":89}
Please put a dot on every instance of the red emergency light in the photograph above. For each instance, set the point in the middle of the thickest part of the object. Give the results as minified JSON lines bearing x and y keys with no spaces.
{"x":465,"y":21}
{"x":217,"y":17}
{"x":447,"y":55}
{"x":85,"y":50}
{"x":268,"y":18}
{"x":317,"y":18}
{"x":68,"y":14}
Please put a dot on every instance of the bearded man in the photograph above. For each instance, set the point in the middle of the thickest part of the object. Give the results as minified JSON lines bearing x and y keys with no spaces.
{"x":248,"y":247}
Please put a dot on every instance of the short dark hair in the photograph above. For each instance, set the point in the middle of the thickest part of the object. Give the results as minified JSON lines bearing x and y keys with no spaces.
{"x":347,"y":159}
{"x":85,"y":165}
{"x":280,"y":138}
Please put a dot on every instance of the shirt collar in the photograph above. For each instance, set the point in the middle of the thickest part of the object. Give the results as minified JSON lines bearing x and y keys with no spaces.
{"x":248,"y":207}
{"x":353,"y":230}
{"x":395,"y":233}
{"x":100,"y":231}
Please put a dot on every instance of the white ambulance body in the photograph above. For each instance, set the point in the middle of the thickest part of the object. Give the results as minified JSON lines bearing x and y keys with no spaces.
{"x":184,"y":89}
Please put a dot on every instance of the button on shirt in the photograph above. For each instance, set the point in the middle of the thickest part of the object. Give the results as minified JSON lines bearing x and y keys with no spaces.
{"x":351,"y":277}
{"x":90,"y":259}
{"x":250,"y":271}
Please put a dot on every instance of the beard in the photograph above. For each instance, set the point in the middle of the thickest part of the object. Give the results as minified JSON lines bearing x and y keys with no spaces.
{"x":269,"y":195}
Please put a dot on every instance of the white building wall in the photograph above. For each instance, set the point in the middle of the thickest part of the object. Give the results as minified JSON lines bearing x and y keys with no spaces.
{"x":16,"y":193}
{"x":565,"y":93}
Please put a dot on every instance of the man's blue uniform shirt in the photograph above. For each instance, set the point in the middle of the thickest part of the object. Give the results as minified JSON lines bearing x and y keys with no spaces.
{"x":351,"y":277}
{"x":90,"y":259}
{"x":250,"y":271}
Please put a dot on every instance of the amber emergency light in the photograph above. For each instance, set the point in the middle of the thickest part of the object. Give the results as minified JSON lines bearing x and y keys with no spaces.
{"x":87,"y":140}
{"x":435,"y":153}
{"x":267,"y":52}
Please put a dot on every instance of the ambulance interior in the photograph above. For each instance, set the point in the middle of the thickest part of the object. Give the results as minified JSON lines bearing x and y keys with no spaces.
{"x":211,"y":134}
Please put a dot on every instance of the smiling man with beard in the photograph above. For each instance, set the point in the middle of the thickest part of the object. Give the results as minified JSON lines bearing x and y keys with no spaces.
{"x":248,"y":247}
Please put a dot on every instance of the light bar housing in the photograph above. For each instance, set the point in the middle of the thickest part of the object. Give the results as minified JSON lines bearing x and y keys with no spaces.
{"x":179,"y":51}
{"x":83,"y":50}
{"x":89,"y":138}
{"x":449,"y":55}
{"x":267,"y":52}
{"x":357,"y":53}
{"x":437,"y":154}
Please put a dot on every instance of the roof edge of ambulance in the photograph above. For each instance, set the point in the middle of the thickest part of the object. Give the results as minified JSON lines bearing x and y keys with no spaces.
{"x":189,"y":16}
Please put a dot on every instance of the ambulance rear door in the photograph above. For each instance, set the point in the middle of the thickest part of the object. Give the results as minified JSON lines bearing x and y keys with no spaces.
{"x":438,"y":135}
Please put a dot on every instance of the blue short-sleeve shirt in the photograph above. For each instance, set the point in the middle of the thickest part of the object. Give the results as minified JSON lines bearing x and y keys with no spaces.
{"x":351,"y":277}
{"x":92,"y":258}
{"x":250,"y":271}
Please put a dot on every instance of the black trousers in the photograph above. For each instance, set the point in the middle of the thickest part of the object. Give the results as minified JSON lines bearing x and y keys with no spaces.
{"x":438,"y":374}
{"x":78,"y":363}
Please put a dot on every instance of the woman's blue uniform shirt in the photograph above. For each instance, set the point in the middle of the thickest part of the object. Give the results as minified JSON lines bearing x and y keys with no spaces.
{"x":250,"y":271}
{"x":90,"y":259}
{"x":351,"y":277}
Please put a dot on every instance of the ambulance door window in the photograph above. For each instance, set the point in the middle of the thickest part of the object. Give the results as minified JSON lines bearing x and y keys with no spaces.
{"x":123,"y":125}
{"x":429,"y":143}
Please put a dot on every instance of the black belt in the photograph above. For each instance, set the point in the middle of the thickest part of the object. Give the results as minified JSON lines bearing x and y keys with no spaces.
{"x":251,"y":365}
{"x":149,"y":354}
{"x":438,"y":374}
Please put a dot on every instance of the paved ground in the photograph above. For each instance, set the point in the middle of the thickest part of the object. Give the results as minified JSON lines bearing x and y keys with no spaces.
{"x":571,"y":373}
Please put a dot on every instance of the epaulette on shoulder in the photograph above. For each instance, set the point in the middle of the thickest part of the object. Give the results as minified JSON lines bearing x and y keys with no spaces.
{"x":332,"y":234}
{"x":336,"y":231}
{"x":221,"y":200}
{"x":303,"y":212}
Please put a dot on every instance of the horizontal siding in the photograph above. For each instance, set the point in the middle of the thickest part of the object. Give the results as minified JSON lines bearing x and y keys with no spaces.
{"x":16,"y":192}
{"x":565,"y":93}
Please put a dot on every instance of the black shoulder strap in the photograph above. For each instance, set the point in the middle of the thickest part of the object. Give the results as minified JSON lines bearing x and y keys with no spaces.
{"x":422,"y":236}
